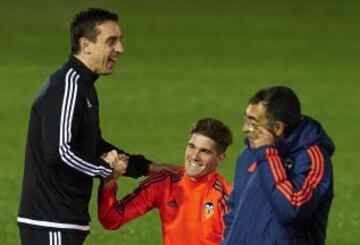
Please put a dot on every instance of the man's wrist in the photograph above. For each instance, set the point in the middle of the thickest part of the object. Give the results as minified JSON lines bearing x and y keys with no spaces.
{"x":108,"y":181}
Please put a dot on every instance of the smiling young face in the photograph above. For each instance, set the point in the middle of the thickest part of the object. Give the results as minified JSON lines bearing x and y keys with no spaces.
{"x":101,"y":54}
{"x":202,"y":156}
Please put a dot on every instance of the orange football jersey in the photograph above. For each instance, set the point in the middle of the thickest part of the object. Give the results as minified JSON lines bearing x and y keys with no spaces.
{"x":191,"y":210}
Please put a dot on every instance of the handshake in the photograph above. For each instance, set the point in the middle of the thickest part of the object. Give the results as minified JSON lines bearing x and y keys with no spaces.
{"x":118,"y":162}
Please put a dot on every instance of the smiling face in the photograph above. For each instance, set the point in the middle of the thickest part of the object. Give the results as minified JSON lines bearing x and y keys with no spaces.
{"x":202,"y":156}
{"x":100,"y":55}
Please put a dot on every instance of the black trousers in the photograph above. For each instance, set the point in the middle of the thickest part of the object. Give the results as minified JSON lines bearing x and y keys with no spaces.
{"x":31,"y":236}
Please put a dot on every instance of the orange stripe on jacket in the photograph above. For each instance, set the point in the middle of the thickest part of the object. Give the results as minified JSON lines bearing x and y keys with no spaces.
{"x":311,"y":181}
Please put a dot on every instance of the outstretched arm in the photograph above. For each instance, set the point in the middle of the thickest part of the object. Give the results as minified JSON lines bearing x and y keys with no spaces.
{"x":113,"y":213}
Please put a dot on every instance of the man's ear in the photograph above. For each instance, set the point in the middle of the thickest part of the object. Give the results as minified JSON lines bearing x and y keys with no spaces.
{"x":279,"y":129}
{"x":221,"y":157}
{"x":85,"y":45}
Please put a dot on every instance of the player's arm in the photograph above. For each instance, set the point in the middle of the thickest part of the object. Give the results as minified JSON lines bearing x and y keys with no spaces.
{"x":113,"y":213}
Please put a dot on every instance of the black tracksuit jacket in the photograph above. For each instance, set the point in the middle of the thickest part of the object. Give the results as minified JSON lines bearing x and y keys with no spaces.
{"x":63,"y":152}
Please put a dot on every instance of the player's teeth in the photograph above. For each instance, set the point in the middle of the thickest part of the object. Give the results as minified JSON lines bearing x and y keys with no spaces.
{"x":194,"y":164}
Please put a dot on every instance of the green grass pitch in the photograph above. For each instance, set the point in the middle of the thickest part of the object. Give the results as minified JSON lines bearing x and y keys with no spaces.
{"x":185,"y":60}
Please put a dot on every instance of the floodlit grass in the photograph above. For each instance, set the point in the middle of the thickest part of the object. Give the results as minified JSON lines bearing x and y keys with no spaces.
{"x":185,"y":60}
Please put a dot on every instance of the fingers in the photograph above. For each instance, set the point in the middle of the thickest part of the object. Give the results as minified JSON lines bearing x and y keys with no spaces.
{"x":110,"y":157}
{"x":261,"y":136}
{"x":118,"y":162}
{"x":119,"y":168}
{"x":123,"y":157}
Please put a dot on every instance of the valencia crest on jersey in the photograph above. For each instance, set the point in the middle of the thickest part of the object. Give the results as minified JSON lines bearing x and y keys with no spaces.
{"x":209,"y":209}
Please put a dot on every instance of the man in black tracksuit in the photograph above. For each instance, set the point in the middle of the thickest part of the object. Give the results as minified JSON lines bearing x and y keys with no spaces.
{"x":65,"y":149}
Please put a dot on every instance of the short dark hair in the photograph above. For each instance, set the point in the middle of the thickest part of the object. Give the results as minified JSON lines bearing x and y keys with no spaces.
{"x":215,"y":130}
{"x":281,"y":104}
{"x":84,"y":24}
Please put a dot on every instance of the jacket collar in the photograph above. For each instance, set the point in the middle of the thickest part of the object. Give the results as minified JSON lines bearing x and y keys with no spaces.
{"x":89,"y":77}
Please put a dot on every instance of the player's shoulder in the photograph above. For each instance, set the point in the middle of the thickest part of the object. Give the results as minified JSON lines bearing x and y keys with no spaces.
{"x":65,"y":75}
{"x":163,"y":177}
{"x":222,"y":185}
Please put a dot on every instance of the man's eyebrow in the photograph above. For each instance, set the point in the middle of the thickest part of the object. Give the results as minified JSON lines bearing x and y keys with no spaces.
{"x":111,"y":38}
{"x":252,"y":118}
{"x":206,"y":150}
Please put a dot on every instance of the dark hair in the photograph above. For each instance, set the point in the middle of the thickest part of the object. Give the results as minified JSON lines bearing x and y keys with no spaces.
{"x":281,"y":103}
{"x":84,"y":24}
{"x":215,"y":130}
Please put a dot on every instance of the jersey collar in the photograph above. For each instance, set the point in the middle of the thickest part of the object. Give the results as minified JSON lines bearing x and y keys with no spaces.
{"x":201,"y":183}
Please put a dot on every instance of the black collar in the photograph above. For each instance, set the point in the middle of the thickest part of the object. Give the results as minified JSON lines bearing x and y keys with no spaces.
{"x":87,"y":75}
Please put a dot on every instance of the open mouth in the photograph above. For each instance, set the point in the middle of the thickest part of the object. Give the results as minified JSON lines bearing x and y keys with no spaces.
{"x":195,"y":164}
{"x":111,"y":62}
{"x":113,"y":59}
{"x":194,"y":168}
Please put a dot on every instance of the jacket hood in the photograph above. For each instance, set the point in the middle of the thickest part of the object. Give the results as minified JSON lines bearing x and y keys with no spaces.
{"x":306,"y":134}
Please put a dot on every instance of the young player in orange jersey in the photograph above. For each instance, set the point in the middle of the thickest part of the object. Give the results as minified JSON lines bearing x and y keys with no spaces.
{"x":191,"y":202}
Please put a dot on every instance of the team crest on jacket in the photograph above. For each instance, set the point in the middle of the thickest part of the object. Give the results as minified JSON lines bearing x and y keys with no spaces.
{"x":209,"y":209}
{"x":288,"y":163}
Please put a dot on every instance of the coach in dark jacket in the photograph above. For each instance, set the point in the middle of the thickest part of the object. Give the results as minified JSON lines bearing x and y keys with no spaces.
{"x":283,"y":185}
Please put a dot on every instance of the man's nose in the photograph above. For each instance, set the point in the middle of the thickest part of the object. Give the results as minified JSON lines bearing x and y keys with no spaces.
{"x":246,"y":128}
{"x":195,"y":155}
{"x":119,"y":47}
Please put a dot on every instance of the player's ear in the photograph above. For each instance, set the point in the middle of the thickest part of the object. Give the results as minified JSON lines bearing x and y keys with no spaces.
{"x":279,"y":128}
{"x":221,"y":157}
{"x":85,"y":45}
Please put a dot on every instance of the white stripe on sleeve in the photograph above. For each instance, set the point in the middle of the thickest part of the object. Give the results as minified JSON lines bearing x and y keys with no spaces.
{"x":67,"y":112}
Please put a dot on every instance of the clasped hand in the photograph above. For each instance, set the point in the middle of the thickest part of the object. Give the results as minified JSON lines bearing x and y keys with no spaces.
{"x":118,"y":162}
